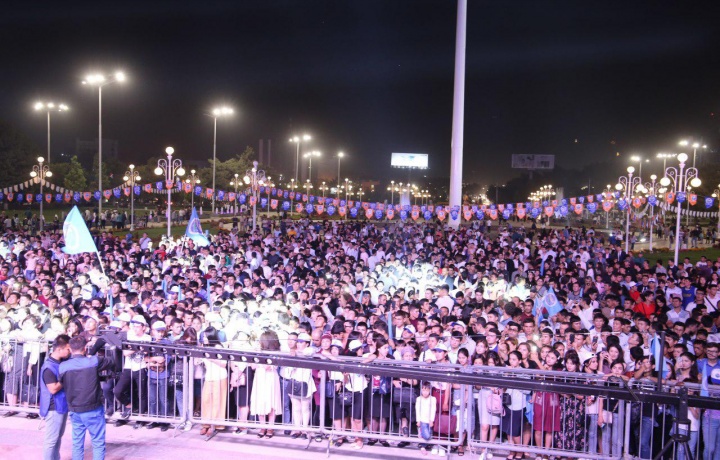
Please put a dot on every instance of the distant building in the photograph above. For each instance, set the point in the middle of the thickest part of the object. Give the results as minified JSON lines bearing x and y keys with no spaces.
{"x":87,"y":149}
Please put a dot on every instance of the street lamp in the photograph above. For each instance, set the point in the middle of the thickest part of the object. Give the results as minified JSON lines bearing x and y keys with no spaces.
{"x":132,"y":177}
{"x":41,"y":171}
{"x":254,"y":178}
{"x":664,"y":157}
{"x":639,"y":160}
{"x":324,"y":187}
{"x":392,"y":192}
{"x":678,"y":178}
{"x":340,"y":156}
{"x":292,"y":194}
{"x":194,"y":180}
{"x":310,"y":156}
{"x":217,"y":112}
{"x":171,"y":169}
{"x":695,"y":146}
{"x":299,"y":140}
{"x":100,"y":80}
{"x":629,"y":184}
{"x":607,"y":195}
{"x":346,"y":197}
{"x":235,"y":183}
{"x":651,"y":188}
{"x":308,"y":186}
{"x":50,"y":107}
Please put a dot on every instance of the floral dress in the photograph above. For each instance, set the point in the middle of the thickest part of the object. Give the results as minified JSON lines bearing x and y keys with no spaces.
{"x":572,"y":414}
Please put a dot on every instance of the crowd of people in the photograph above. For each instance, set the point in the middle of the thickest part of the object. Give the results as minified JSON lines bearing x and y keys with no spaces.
{"x":403,"y":292}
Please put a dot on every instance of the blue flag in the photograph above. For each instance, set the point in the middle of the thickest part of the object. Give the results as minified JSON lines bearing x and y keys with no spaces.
{"x":549,"y":303}
{"x":194,"y":231}
{"x":76,"y":234}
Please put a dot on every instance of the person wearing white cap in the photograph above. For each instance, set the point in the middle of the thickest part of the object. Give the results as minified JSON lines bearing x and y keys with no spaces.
{"x":132,"y":382}
{"x":302,"y":387}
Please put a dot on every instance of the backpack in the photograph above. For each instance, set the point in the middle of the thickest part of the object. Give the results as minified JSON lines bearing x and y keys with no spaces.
{"x":494,"y":405}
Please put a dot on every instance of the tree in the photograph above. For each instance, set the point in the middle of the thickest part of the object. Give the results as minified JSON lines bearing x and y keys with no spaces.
{"x":17,"y":155}
{"x":225,"y":170}
{"x":75,"y":176}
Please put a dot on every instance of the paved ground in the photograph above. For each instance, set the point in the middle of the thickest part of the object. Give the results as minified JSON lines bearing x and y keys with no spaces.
{"x":21,"y":439}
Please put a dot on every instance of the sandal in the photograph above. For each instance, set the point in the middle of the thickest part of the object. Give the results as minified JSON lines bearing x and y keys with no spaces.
{"x":357,"y":445}
{"x":204,"y":430}
{"x":339,"y":442}
{"x":269,"y":434}
{"x":461,"y":451}
{"x":261,"y":434}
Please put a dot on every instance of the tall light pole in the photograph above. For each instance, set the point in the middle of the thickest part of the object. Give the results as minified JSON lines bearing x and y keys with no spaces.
{"x":629,"y":184}
{"x":41,"y":171}
{"x":171,"y":169}
{"x":346,"y":198}
{"x":695,"y":146}
{"x":292,"y":197}
{"x":606,"y":194}
{"x":323,"y":187}
{"x":458,"y":119}
{"x":217,"y":112}
{"x":194,"y":180}
{"x":308,"y":186}
{"x":299,"y":140}
{"x":132,"y":176}
{"x":651,"y":188}
{"x":392,"y":192}
{"x":639,"y":160}
{"x":49,"y":107}
{"x":100,"y":80}
{"x":310,"y":156}
{"x":677,"y":179}
{"x":664,"y":157}
{"x":254,"y":178}
{"x":235,"y":183}
{"x":340,"y":156}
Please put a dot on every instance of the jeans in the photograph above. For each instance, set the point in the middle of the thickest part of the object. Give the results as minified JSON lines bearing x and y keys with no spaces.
{"x":287,"y":409}
{"x":54,"y":430}
{"x":711,"y":437}
{"x":179,"y":401}
{"x":692,"y":444}
{"x":425,"y":433}
{"x":647,"y":425}
{"x":613,"y":433}
{"x":157,"y":397}
{"x":93,"y":422}
{"x":592,"y":433}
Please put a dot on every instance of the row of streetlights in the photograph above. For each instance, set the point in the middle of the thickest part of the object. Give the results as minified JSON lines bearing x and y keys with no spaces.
{"x":675,"y":180}
{"x":639,"y":159}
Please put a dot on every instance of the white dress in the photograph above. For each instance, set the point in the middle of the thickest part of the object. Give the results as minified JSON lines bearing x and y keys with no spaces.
{"x":266,"y":395}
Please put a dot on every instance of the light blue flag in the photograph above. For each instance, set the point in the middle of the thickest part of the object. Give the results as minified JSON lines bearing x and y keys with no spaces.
{"x":194,"y":231}
{"x":704,"y":389}
{"x":76,"y":234}
{"x":547,"y":302}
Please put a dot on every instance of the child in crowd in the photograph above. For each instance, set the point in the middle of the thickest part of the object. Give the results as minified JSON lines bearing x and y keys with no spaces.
{"x":425,"y":407}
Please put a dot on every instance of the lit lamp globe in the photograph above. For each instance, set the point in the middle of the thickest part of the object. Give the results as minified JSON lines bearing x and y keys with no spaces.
{"x":695,"y":182}
{"x":682,"y":157}
{"x":665,"y":181}
{"x":630,"y":169}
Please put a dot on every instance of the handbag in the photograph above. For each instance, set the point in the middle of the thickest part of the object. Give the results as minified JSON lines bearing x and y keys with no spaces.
{"x":384,"y":387}
{"x":405,"y":395}
{"x":299,"y":389}
{"x":330,"y":388}
{"x":445,"y":424}
{"x":506,"y":399}
{"x":346,"y":398}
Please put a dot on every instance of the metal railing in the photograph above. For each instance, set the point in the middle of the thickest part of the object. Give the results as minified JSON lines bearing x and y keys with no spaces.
{"x":345,"y":400}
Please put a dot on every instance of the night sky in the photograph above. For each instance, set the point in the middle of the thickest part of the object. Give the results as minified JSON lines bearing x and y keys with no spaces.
{"x":581,"y":80}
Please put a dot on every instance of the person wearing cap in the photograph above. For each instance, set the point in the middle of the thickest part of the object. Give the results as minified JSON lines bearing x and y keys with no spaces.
{"x":158,"y":378}
{"x":131,"y":386}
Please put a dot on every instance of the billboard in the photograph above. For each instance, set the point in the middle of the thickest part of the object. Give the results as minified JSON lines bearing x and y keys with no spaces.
{"x":409,"y":160}
{"x":533,"y":161}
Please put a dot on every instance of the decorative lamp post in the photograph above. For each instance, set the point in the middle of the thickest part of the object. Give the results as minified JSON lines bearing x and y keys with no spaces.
{"x":235,"y":183}
{"x":629,"y":184}
{"x":676,"y":180}
{"x":607,"y":195}
{"x":100,"y":81}
{"x":217,"y":112}
{"x":194,"y":180}
{"x":716,"y":195}
{"x":41,"y":171}
{"x":254,"y":178}
{"x":171,"y":169}
{"x":651,"y":188}
{"x":292,"y":196}
{"x":664,"y":157}
{"x":132,"y":177}
{"x":50,"y":107}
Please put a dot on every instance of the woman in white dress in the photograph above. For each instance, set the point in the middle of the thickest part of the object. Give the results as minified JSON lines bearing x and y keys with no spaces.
{"x":266,"y":397}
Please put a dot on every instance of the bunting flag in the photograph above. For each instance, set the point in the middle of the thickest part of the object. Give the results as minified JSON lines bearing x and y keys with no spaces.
{"x":147,"y":188}
{"x":274,"y":203}
{"x":520,"y":213}
{"x":692,"y":199}
{"x":48,"y":197}
{"x":126,"y":191}
{"x":578,"y":208}
{"x":342,"y":210}
{"x":415,"y":214}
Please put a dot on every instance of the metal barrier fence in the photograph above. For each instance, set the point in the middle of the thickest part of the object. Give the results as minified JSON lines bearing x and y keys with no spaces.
{"x":487,"y":410}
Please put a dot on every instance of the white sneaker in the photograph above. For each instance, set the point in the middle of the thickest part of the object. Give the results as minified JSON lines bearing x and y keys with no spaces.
{"x":482,"y":456}
{"x":434,"y":450}
{"x":441,"y":452}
